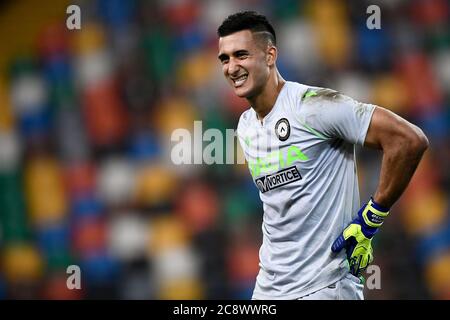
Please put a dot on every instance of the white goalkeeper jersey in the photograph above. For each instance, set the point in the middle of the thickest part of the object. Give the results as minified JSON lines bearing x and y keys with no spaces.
{"x":302,"y":160}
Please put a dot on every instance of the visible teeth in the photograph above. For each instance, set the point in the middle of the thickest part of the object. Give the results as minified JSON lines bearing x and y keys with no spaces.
{"x":239,"y":81}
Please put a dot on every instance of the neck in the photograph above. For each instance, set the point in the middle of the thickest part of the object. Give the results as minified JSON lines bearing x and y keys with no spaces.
{"x":264,"y":102}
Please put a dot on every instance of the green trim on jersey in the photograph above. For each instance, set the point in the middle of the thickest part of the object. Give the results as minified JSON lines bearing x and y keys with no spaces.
{"x":309,"y":93}
{"x":313,"y":131}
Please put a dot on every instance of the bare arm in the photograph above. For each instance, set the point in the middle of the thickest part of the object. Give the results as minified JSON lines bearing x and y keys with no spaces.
{"x":403,"y":145}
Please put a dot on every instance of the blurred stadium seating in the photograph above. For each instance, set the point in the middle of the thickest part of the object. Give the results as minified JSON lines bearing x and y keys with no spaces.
{"x":86,"y":118}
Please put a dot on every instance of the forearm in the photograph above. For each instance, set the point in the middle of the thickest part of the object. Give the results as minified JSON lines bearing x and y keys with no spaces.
{"x":397,"y":168}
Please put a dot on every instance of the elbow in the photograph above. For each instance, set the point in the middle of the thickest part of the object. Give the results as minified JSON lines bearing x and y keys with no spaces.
{"x":418,"y":142}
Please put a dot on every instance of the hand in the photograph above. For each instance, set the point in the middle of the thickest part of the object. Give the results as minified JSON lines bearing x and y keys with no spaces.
{"x":357,"y":237}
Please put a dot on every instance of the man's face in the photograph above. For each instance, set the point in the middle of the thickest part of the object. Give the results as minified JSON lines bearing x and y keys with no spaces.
{"x":244,"y":63}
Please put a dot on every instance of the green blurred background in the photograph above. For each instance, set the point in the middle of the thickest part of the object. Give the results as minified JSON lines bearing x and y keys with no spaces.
{"x":86,"y":118}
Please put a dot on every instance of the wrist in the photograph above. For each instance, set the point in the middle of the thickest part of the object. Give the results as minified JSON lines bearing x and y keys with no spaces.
{"x":374,"y":214}
{"x":378,"y":206}
{"x":381,"y":201}
{"x":371,"y":217}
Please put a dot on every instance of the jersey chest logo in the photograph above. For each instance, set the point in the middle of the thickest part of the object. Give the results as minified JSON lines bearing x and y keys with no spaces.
{"x":282,"y":129}
{"x":278,"y":179}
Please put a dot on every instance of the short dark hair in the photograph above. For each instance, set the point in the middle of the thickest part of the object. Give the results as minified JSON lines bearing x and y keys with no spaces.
{"x":247,"y":20}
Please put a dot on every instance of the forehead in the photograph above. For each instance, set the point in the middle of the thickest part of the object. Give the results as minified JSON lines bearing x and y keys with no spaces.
{"x":241,"y":40}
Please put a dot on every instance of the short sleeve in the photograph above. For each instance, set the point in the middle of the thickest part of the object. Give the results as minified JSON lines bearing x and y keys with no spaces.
{"x":240,"y":132}
{"x":331,"y":114}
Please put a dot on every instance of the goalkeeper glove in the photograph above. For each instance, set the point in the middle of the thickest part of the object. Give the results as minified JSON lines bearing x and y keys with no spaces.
{"x":357,"y":236}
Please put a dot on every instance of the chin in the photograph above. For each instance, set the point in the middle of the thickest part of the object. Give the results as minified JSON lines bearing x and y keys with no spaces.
{"x":242,"y":92}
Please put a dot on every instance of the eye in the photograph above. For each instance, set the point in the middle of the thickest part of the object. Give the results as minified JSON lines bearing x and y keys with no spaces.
{"x":224,"y":59}
{"x":242,"y":54}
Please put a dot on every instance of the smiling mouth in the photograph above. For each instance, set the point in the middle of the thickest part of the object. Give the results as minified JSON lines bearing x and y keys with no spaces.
{"x":239,"y":81}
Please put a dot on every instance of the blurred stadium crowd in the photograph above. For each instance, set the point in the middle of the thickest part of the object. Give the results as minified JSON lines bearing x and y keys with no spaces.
{"x":86,"y":118}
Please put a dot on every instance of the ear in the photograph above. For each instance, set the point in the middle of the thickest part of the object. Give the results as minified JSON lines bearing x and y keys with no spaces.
{"x":271,"y":55}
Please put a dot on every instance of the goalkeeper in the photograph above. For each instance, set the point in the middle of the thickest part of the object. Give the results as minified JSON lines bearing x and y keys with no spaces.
{"x":299,"y":142}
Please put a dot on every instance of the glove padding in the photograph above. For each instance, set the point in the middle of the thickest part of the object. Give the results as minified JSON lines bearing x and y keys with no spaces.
{"x":357,"y":237}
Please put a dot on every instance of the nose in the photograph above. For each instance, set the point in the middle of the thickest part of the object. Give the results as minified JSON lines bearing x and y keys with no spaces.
{"x":233,"y":67}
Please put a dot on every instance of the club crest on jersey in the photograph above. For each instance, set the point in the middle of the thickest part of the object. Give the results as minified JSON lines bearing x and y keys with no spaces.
{"x":283,"y":129}
{"x":278,"y":179}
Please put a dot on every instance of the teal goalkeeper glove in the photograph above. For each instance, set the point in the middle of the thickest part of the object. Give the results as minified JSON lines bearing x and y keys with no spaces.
{"x":357,"y":236}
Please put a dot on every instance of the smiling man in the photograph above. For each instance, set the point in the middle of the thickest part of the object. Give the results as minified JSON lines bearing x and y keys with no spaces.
{"x":299,"y":142}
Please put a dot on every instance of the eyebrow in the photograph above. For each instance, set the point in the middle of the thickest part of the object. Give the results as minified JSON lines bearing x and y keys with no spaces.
{"x":235,"y":53}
